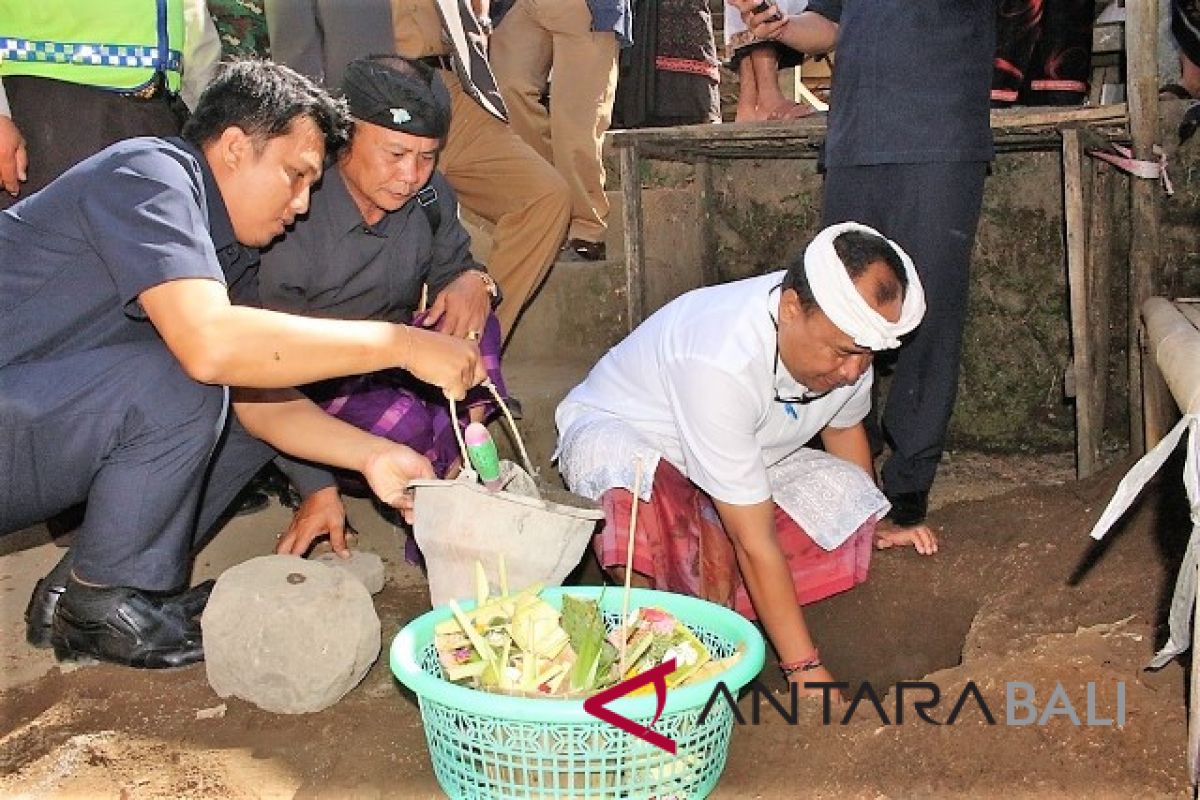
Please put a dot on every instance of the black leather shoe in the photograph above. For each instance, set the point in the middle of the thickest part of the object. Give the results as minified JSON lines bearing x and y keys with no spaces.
{"x":126,"y":626}
{"x":908,"y":508}
{"x":250,"y":501}
{"x":39,"y":614}
{"x":583,"y":250}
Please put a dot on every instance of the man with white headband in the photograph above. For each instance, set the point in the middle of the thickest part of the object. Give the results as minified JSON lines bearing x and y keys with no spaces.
{"x":704,"y":412}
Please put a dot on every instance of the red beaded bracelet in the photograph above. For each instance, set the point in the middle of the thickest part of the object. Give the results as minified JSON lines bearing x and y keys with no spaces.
{"x":803,"y":665}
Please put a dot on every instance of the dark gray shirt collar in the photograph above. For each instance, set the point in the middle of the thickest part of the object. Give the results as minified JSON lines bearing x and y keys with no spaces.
{"x":220,"y":227}
{"x":343,"y":213}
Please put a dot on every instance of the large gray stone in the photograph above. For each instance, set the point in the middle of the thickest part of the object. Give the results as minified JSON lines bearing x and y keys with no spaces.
{"x":366,"y":567}
{"x":288,"y":635}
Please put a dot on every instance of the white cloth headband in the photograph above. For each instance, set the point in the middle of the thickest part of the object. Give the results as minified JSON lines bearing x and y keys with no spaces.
{"x":846,"y":308}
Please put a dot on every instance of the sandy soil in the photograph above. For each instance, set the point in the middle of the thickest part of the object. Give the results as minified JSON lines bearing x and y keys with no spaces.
{"x":1017,"y":594}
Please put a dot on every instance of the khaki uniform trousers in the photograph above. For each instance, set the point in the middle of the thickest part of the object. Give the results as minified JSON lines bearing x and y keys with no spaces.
{"x":494,"y":173}
{"x":534,"y":37}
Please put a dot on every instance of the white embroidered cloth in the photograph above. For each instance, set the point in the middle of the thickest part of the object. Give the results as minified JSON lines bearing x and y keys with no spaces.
{"x":828,"y":497}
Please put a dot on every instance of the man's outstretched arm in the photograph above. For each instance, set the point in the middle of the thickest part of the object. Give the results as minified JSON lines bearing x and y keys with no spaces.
{"x":220,"y":343}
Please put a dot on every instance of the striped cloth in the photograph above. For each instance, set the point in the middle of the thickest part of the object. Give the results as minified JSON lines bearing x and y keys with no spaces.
{"x":395,"y":405}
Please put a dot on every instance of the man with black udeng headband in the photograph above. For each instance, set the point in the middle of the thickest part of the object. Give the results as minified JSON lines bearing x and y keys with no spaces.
{"x":382,"y":225}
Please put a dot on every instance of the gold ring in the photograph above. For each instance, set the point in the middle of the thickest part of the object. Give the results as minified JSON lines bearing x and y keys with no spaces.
{"x":473,"y":335}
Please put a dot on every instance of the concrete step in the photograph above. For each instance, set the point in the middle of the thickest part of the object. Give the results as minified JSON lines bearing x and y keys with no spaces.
{"x":579,"y":312}
{"x":654,"y":172}
{"x":540,"y":385}
{"x":614,"y":237}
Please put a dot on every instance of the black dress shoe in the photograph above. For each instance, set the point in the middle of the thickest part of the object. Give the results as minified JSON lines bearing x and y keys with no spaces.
{"x":583,"y":250}
{"x":271,"y":481}
{"x":908,"y":508}
{"x":250,"y":501}
{"x":126,"y":626}
{"x":39,"y":614}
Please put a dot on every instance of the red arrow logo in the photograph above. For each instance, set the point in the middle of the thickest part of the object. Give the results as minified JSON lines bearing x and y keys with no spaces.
{"x":595,"y":705}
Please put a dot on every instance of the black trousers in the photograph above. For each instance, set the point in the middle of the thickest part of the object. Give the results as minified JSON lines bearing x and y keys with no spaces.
{"x":932,"y":211}
{"x":126,"y":430}
{"x":64,"y":123}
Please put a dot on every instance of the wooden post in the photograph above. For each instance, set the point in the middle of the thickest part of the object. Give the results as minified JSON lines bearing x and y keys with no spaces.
{"x":635,"y":248}
{"x":1075,"y":218}
{"x":1141,"y":53}
{"x":1100,"y":267}
{"x":709,"y":272}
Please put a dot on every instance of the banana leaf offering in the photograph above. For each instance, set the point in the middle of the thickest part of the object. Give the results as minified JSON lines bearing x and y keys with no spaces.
{"x":520,"y":644}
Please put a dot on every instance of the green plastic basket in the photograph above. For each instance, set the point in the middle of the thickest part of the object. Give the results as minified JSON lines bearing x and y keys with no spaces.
{"x":486,"y":745}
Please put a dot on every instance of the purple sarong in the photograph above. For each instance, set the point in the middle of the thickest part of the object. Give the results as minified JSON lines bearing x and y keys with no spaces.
{"x":395,"y":405}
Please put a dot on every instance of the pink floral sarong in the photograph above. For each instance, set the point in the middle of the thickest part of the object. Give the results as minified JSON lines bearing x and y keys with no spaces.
{"x":682,"y":546}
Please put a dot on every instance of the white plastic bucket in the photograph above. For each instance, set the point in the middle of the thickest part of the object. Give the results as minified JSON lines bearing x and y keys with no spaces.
{"x":458,"y":523}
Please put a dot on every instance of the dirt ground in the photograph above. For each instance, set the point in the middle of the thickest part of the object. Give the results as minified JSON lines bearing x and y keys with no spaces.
{"x":1017,"y":594}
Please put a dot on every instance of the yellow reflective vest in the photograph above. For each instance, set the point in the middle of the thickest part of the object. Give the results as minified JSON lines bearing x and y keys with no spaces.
{"x":114,"y":44}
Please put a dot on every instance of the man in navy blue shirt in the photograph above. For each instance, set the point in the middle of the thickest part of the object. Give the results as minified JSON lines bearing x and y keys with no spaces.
{"x":118,"y":338}
{"x":907,"y":151}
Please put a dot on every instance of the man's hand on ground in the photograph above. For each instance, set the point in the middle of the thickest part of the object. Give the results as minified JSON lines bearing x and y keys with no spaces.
{"x":321,"y":513}
{"x":462,"y":307}
{"x":920,"y":537}
{"x":389,"y":470}
{"x":14,"y":158}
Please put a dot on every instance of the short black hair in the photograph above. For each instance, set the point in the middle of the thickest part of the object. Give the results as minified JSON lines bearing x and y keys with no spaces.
{"x":857,"y":250}
{"x":264,"y":99}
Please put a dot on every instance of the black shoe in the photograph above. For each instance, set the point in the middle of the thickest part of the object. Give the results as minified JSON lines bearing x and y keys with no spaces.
{"x":583,"y":250}
{"x":250,"y":501}
{"x":126,"y":626}
{"x":267,"y":482}
{"x":271,"y":481}
{"x":908,"y":508}
{"x":39,"y":614}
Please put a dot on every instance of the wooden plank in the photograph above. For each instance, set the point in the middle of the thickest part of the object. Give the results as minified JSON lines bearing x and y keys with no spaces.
{"x":1025,"y":117}
{"x":1108,"y":38}
{"x":1141,"y":46}
{"x":1099,"y":296}
{"x":1003,"y":119}
{"x":635,"y":249}
{"x":708,"y":208}
{"x":1075,"y":217}
{"x":1017,"y":128}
